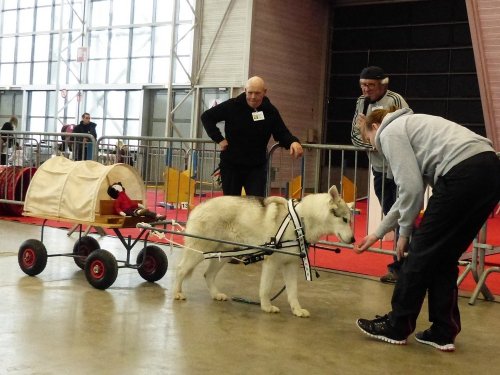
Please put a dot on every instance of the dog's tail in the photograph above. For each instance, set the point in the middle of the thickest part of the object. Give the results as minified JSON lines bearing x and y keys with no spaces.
{"x":273,"y":199}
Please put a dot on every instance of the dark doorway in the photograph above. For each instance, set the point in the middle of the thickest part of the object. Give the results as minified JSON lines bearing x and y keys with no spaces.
{"x":424,"y":46}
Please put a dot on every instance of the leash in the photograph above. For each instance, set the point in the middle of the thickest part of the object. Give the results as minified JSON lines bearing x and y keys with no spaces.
{"x":244,"y":300}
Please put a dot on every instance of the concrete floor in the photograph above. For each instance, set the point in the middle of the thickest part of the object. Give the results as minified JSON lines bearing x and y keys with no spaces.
{"x":56,"y":323}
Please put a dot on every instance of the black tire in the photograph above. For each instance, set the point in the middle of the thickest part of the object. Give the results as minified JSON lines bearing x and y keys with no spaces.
{"x":32,"y":257}
{"x":101,"y":269}
{"x":83,"y":247}
{"x":154,"y":266}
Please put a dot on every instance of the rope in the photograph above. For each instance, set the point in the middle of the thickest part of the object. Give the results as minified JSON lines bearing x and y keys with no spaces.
{"x":244,"y":300}
{"x":161,"y":235}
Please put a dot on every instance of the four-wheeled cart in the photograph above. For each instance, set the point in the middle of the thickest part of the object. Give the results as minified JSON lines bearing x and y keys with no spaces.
{"x":76,"y":192}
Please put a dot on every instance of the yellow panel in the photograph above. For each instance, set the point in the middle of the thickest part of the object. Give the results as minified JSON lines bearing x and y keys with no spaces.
{"x":295,"y":187}
{"x":348,"y":190}
{"x":179,"y":187}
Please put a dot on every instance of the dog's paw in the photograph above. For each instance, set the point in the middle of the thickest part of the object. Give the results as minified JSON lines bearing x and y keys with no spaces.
{"x":270,"y":309}
{"x":220,"y":297}
{"x":179,"y":296}
{"x":301,"y":313}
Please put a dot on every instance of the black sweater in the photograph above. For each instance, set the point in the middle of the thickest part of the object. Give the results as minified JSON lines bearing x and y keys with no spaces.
{"x":90,"y":128}
{"x":247,"y":139}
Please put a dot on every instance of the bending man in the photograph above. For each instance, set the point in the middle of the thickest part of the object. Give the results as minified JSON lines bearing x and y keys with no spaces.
{"x":461,"y":166}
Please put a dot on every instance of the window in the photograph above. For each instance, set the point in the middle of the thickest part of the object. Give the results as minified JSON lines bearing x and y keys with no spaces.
{"x":128,"y":44}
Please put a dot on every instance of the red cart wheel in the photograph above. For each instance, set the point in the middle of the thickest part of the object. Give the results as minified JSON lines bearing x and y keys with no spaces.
{"x":32,"y":257}
{"x":82,"y":248}
{"x":101,"y":269}
{"x":152,"y":263}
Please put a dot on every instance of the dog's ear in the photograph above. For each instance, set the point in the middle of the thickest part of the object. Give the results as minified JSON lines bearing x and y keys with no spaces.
{"x":334,"y":192}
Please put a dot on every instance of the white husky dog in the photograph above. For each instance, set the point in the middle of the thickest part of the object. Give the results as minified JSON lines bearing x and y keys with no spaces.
{"x":253,"y":221}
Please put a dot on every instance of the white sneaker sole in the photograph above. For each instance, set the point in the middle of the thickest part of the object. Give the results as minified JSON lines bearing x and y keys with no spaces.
{"x":443,"y":348}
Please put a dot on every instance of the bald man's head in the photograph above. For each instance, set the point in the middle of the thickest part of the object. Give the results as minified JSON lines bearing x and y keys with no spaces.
{"x":255,"y":90}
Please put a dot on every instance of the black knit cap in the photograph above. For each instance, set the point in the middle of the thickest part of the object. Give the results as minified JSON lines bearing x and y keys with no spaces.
{"x":372,"y":72}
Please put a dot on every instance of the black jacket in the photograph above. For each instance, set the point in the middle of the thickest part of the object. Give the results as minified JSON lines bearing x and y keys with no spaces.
{"x":86,"y":129}
{"x":247,"y":138}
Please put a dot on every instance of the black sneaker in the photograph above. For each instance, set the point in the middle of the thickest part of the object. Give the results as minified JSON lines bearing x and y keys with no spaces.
{"x":389,"y":278}
{"x":381,"y":329}
{"x":427,"y":337}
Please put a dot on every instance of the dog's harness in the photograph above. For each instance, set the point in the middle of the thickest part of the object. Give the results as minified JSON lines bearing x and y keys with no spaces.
{"x":299,"y":234}
{"x":253,"y":256}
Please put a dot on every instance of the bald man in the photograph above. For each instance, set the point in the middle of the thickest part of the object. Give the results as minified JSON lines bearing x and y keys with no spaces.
{"x":250,"y":121}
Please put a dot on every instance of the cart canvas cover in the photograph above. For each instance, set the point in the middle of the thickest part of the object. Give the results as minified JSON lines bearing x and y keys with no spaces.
{"x":68,"y":189}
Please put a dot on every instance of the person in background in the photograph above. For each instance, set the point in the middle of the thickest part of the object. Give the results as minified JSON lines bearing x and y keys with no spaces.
{"x":6,"y":142}
{"x":123,"y":154}
{"x":17,"y":157}
{"x":250,"y":121}
{"x":374,"y":85}
{"x":460,"y":166}
{"x":82,"y":149}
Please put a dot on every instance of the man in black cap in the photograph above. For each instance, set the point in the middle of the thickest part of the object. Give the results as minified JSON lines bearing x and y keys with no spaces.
{"x":376,"y":95}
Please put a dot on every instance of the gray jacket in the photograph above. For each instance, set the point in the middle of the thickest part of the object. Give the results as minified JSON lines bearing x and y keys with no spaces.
{"x":419,"y":149}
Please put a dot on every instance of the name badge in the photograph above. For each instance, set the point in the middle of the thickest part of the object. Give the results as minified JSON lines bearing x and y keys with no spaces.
{"x":258,"y":116}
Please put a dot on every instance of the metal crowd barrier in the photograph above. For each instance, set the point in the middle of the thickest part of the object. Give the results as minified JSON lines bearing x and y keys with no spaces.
{"x":177,"y":171}
{"x":23,"y":152}
{"x":178,"y":175}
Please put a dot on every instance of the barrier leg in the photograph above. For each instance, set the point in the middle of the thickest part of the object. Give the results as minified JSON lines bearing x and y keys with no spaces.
{"x":467,"y":269}
{"x":481,"y":285}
